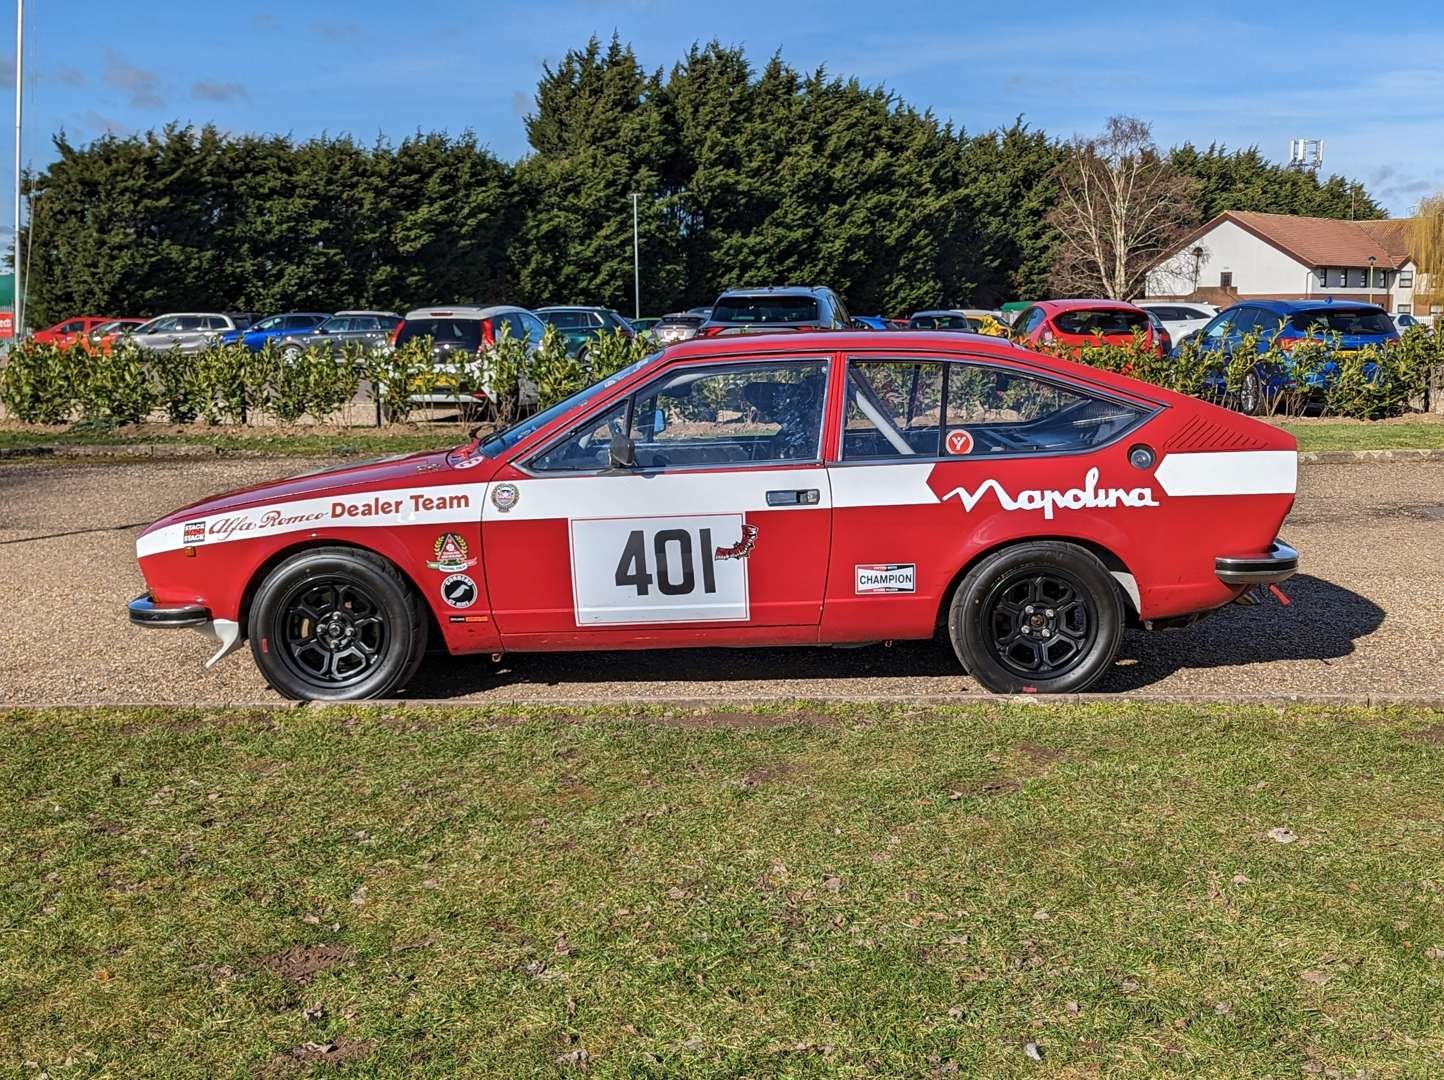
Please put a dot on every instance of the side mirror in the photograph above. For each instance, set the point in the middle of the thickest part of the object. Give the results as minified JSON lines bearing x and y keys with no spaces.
{"x":622,"y":453}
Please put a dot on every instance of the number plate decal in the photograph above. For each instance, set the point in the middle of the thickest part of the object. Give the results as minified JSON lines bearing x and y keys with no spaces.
{"x":658,"y":570}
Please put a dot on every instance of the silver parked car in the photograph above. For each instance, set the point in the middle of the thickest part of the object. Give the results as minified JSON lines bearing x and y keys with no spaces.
{"x":187,"y":331}
{"x":371,"y":328}
{"x":461,"y":334}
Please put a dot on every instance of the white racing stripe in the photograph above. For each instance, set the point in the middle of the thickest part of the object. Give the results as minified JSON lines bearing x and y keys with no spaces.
{"x":436,"y":504}
{"x":1230,"y":472}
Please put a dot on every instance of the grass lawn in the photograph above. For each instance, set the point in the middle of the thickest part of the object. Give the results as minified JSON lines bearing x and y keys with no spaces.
{"x":1354,"y":435}
{"x":835,"y":892}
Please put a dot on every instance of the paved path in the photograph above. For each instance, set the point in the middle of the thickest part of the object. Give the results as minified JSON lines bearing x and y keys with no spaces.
{"x":1367,"y":617}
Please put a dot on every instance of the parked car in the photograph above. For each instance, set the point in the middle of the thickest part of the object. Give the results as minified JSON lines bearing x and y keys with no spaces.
{"x":870,"y":322}
{"x":679,"y":326}
{"x":756,"y":491}
{"x":460,"y":335}
{"x":965,"y":319}
{"x":581,"y":326}
{"x":371,"y":328}
{"x":1342,"y":326}
{"x":103,"y":337}
{"x":1179,"y":317}
{"x":1403,"y":320}
{"x":68,"y":332}
{"x":1075,"y":323}
{"x":186,"y":331}
{"x":776,"y":307}
{"x":274,"y":327}
{"x":1160,"y":334}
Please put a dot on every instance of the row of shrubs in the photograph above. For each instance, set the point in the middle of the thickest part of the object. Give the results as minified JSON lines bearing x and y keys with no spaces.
{"x":230,"y":384}
{"x":223,"y":384}
{"x":1317,"y":376}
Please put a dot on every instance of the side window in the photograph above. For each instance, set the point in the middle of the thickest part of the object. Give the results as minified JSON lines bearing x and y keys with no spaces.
{"x":994,"y":410}
{"x":337,"y":326}
{"x":74,"y":326}
{"x":736,"y":415}
{"x":189,"y":322}
{"x":534,"y":328}
{"x":587,"y":446}
{"x":893,"y":408}
{"x":365,"y":322}
{"x":1215,"y":330}
{"x":162,"y":326}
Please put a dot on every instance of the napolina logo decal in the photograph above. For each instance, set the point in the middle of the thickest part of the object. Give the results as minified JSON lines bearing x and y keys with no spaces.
{"x":1089,"y":497}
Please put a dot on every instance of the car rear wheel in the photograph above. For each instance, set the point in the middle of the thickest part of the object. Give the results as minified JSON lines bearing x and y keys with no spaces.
{"x":337,"y":624}
{"x":1251,"y":395}
{"x":1041,"y":617}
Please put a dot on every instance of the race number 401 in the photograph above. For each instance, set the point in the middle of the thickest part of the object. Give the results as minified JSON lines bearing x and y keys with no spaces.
{"x":658,"y":570}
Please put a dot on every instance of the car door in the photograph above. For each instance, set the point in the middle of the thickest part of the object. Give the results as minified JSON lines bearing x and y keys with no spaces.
{"x":720,"y":528}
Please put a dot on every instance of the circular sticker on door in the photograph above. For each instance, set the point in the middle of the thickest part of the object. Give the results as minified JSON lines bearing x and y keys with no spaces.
{"x":960,"y":441}
{"x":504,"y":496}
{"x":458,"y":591}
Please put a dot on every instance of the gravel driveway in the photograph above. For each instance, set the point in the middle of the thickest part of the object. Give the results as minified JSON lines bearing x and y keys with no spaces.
{"x":1365,"y":616}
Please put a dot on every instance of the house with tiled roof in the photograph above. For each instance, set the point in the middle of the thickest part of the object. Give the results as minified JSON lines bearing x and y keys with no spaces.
{"x":1242,"y":255}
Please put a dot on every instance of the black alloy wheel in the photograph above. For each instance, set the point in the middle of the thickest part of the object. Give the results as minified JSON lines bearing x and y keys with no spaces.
{"x":1043,"y":622}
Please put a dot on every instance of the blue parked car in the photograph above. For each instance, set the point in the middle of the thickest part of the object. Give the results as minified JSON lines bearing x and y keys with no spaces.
{"x":870,"y":322}
{"x":255,"y":336}
{"x":1287,"y":324}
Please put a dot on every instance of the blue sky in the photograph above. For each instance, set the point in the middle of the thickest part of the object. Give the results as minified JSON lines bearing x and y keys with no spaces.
{"x":1238,"y":73}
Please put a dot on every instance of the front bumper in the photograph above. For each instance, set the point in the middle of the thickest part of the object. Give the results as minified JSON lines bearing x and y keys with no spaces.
{"x":146,"y":612}
{"x":1277,"y":564}
{"x":226,"y":632}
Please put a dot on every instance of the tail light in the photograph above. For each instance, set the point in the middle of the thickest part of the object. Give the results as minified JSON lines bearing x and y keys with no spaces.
{"x":1287,"y":343}
{"x":488,"y":334}
{"x":396,"y":332}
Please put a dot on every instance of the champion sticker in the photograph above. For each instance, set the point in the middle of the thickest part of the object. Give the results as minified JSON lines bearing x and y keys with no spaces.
{"x":960,"y":441}
{"x":504,"y":496}
{"x":886,"y":578}
{"x":451,"y":553}
{"x":194,"y":533}
{"x":458,"y":591}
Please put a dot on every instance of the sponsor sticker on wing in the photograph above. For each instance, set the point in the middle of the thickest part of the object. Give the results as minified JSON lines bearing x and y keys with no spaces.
{"x":886,"y":578}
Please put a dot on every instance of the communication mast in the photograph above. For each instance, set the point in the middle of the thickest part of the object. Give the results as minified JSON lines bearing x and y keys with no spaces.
{"x":1306,"y":153}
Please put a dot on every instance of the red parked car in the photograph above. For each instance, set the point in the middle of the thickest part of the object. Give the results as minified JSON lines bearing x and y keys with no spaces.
{"x":70,"y":331}
{"x":789,"y":489}
{"x":1075,"y":323}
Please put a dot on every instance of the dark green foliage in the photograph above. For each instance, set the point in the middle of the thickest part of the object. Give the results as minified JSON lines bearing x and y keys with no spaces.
{"x":745,"y":176}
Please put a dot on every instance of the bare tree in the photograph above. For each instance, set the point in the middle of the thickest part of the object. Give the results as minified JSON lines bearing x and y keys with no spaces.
{"x":1121,"y":206}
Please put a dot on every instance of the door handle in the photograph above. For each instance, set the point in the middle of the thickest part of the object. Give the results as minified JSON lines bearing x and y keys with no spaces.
{"x":809,"y":497}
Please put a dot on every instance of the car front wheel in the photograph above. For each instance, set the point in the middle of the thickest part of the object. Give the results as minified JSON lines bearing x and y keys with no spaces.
{"x":337,"y":624}
{"x":1042,"y":617}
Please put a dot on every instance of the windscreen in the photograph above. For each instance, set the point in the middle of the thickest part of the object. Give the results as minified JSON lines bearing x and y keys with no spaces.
{"x":943,"y":322}
{"x":765,"y":309}
{"x":1106,"y":322}
{"x":1344,"y":321}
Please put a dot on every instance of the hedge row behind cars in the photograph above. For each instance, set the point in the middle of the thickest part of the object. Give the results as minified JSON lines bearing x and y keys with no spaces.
{"x":44,"y":384}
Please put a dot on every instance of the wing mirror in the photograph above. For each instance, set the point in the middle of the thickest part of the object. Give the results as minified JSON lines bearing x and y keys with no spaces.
{"x":622,"y":453}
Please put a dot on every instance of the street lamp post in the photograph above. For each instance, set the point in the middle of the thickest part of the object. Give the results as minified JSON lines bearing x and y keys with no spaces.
{"x":18,"y":311}
{"x":636,"y":261}
{"x":1371,"y":279}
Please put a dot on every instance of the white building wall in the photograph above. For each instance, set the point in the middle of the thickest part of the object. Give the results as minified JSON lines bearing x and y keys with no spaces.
{"x":1258,"y":268}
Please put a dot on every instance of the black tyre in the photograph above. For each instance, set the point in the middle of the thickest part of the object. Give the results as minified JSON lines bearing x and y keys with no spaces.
{"x":1043,"y":616}
{"x":337,"y":624}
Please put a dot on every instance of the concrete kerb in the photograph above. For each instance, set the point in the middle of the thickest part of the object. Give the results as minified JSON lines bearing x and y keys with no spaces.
{"x":164,"y":451}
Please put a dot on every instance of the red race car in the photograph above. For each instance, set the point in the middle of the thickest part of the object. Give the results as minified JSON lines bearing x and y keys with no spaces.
{"x":1075,"y":323}
{"x":798,"y":489}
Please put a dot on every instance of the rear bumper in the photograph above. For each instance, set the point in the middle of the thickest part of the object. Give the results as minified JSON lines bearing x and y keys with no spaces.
{"x":1279,"y":563}
{"x":146,"y":612}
